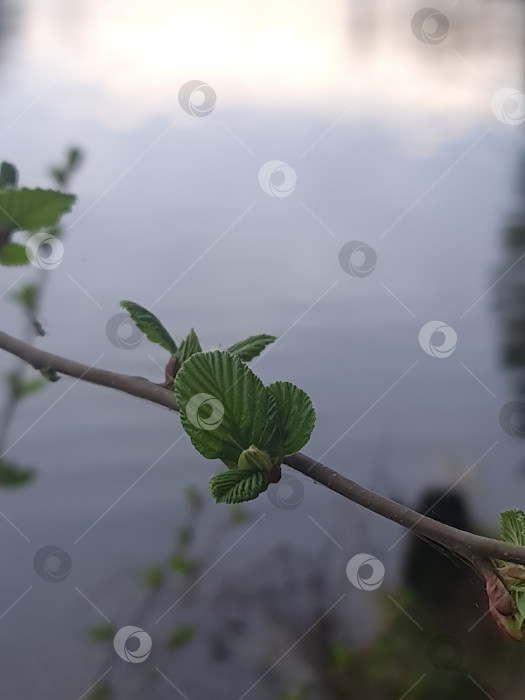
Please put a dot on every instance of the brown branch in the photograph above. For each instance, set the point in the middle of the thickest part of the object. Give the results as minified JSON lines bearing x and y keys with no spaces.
{"x":136,"y":386}
{"x":471,"y":547}
{"x":461,"y":542}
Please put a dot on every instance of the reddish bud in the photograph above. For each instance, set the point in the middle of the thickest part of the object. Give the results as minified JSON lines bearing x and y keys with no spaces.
{"x":275,"y":475}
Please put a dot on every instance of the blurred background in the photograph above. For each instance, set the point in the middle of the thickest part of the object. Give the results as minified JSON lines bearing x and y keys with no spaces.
{"x":345,"y":174}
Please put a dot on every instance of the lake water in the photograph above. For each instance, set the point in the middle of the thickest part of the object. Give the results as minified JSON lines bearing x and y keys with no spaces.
{"x":386,"y":140}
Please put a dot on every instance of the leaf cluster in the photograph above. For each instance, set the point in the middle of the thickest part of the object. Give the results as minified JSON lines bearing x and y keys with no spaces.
{"x":227,"y":411}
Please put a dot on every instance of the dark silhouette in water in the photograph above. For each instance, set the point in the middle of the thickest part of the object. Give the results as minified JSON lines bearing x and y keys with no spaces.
{"x":430,"y":571}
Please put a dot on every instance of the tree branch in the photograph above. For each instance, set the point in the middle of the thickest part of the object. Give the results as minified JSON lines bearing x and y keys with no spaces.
{"x":136,"y":386}
{"x":467,"y":545}
{"x":464,"y":543}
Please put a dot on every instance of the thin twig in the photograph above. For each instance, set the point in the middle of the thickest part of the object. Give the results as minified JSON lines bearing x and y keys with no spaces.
{"x":136,"y":386}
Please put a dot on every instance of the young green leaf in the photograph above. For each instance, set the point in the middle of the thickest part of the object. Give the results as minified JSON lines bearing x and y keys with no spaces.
{"x":513,"y":576}
{"x":102,"y":691}
{"x":251,"y":347}
{"x":295,"y":418}
{"x":8,"y":175}
{"x":184,"y":536}
{"x":13,"y":475}
{"x":519,"y":601}
{"x":150,"y":325}
{"x":513,"y":527}
{"x":20,"y":388}
{"x":26,"y":296}
{"x":193,"y":498}
{"x":154,"y":577}
{"x":181,"y":565}
{"x":74,"y":157}
{"x":59,"y":175}
{"x":238,"y":514}
{"x":238,"y":485}
{"x":255,"y":459}
{"x":224,"y":407}
{"x":101,"y":632}
{"x":28,"y":210}
{"x":13,"y":255}
{"x":189,"y":346}
{"x":181,"y":635}
{"x":341,"y":654}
